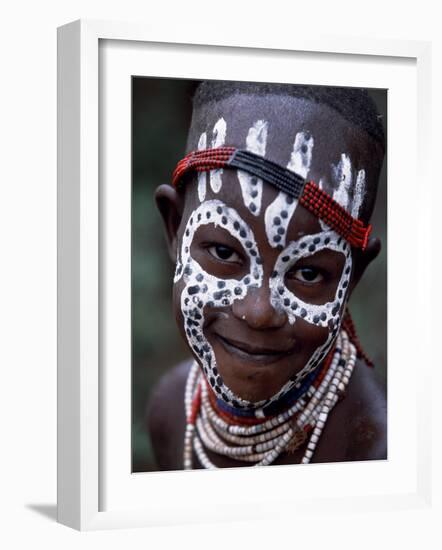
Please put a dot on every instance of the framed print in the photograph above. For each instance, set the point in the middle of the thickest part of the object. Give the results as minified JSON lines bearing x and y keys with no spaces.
{"x":124,"y":109}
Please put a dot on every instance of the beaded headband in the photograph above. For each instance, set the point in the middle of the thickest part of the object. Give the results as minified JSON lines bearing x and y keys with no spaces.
{"x":310,"y":196}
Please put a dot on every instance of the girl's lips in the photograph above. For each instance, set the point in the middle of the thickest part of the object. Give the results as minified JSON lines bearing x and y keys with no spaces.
{"x":253,"y":353}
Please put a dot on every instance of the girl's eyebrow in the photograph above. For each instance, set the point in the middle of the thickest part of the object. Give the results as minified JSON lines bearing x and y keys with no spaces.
{"x":330,"y":262}
{"x":210,"y":233}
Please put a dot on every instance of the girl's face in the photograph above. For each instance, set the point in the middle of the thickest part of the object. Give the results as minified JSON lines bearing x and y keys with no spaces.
{"x":260,"y":284}
{"x":256,"y":316}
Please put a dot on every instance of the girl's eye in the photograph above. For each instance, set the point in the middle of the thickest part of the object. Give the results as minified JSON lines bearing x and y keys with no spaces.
{"x":224,"y":253}
{"x":307,"y":275}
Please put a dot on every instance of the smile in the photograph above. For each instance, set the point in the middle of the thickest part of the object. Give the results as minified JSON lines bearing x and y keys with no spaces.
{"x":252,"y":353}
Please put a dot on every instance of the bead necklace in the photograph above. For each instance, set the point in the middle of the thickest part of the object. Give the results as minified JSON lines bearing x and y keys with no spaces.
{"x":261,"y":443}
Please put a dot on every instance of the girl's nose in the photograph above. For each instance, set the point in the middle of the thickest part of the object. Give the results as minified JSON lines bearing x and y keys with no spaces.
{"x":257,"y":311}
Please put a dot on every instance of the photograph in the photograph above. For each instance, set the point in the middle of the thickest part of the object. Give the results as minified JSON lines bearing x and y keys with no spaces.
{"x":258,"y":273}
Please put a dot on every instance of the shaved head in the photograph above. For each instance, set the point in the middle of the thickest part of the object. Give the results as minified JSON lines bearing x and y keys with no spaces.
{"x":343,"y":143}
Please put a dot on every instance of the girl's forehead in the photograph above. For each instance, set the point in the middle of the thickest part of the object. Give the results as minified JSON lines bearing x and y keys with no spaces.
{"x":307,"y":138}
{"x":301,"y":223}
{"x":284,"y":117}
{"x":270,"y":126}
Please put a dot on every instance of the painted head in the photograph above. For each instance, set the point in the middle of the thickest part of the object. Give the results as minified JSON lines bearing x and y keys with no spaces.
{"x":265,"y":262}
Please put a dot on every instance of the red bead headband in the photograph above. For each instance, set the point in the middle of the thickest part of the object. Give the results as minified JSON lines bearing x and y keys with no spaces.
{"x":310,"y":196}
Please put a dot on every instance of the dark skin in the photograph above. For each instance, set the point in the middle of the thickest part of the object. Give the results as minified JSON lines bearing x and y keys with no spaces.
{"x":256,"y":348}
{"x":356,"y":429}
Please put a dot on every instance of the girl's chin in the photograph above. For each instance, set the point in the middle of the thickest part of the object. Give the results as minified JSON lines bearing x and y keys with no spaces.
{"x":250,"y":380}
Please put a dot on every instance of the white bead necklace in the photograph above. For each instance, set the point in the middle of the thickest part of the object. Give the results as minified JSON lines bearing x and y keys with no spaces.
{"x":262,"y":443}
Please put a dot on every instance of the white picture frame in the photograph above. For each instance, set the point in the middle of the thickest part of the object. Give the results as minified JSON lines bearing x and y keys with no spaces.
{"x":88,"y":458}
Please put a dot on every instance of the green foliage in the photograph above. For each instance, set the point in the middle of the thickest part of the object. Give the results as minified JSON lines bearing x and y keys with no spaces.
{"x":161,"y":110}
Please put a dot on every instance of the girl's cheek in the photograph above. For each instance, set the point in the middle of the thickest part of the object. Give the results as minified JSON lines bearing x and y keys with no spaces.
{"x":176,"y":303}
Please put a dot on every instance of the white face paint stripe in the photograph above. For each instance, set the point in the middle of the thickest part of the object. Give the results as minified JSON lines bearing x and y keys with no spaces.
{"x":342,"y":175}
{"x":256,"y":140}
{"x":219,"y":138}
{"x":301,"y":157}
{"x":251,"y":186}
{"x":219,"y":133}
{"x":358,"y":194}
{"x":202,"y":176}
{"x":277,"y":218}
{"x":280,"y":211}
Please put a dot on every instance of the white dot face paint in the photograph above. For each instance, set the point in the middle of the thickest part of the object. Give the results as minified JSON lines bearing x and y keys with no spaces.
{"x":325,"y":315}
{"x":251,"y":186}
{"x":202,"y":289}
{"x":281,"y":210}
{"x":219,"y":139}
{"x":301,"y":157}
{"x":277,"y":218}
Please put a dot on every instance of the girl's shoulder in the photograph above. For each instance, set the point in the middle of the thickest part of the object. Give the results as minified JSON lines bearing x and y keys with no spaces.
{"x":368,"y":414}
{"x":166,"y":419}
{"x":357,"y":427}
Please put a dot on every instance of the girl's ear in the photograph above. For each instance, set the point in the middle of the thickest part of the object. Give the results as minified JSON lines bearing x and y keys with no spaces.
{"x":169,"y":204}
{"x":363,"y":259}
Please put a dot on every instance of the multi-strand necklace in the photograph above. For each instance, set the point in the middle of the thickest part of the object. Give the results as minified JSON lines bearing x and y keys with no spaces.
{"x":260,"y":443}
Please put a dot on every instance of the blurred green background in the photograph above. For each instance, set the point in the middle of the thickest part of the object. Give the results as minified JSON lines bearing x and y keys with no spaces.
{"x":161,"y":110}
